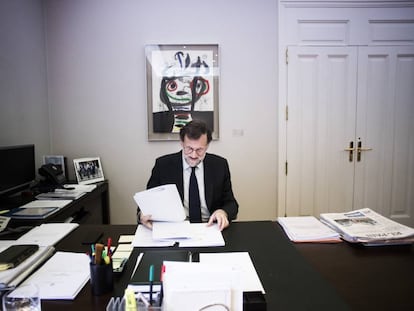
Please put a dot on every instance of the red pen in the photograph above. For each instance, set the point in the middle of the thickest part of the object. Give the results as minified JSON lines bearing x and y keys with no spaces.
{"x":162,"y":272}
{"x":109,"y":247}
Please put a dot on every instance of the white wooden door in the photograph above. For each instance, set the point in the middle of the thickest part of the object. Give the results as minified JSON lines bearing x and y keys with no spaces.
{"x":338,"y":95}
{"x":384,"y":176}
{"x":321,"y":122}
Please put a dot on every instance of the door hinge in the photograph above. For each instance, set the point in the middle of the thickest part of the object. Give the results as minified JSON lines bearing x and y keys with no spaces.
{"x":286,"y":168}
{"x":287,"y":113}
{"x":287,"y":56}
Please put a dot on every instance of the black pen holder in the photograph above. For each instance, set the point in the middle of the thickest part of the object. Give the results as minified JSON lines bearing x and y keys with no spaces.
{"x":102,"y":278}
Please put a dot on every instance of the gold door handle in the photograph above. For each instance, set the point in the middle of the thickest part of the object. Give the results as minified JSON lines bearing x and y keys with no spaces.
{"x":351,"y":150}
{"x":360,"y":149}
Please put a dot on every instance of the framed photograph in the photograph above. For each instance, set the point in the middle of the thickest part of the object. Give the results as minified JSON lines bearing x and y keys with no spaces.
{"x":88,"y":170}
{"x":182,"y":85}
{"x":58,"y":160}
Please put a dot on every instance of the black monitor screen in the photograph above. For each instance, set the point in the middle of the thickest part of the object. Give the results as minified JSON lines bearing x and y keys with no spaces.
{"x":17,"y":168}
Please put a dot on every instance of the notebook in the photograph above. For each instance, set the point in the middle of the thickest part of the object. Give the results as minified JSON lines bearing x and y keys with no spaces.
{"x":12,"y":256}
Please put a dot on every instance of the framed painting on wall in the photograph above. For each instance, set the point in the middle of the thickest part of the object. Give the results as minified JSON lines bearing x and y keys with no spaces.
{"x":182,"y":85}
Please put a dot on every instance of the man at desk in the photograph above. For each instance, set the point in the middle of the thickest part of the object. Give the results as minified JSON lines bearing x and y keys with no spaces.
{"x":202,"y":179}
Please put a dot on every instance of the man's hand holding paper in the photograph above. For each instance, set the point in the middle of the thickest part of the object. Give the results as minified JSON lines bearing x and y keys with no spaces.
{"x":162,"y":203}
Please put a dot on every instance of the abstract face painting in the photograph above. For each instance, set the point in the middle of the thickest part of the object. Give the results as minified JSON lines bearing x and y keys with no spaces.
{"x":182,"y":87}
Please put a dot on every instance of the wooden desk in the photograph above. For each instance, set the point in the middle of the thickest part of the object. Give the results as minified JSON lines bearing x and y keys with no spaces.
{"x":295,"y":276}
{"x":368,"y":278}
{"x":290,"y":282}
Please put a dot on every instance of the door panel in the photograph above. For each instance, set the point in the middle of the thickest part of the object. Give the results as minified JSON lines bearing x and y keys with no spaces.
{"x":322,"y":105}
{"x":385,"y":122}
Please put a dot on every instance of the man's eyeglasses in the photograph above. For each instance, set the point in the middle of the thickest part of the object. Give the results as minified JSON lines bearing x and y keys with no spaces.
{"x":189,"y":150}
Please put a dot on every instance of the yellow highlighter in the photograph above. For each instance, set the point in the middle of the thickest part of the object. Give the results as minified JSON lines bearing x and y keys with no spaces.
{"x":130,"y":302}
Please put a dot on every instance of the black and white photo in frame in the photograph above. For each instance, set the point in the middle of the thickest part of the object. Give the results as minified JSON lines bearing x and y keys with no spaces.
{"x":88,"y":170}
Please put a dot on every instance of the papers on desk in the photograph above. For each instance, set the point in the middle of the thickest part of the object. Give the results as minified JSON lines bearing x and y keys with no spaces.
{"x":62,"y":276}
{"x":240,"y":261}
{"x":13,"y":277}
{"x":61,"y":194}
{"x":77,"y":187}
{"x":308,"y":229}
{"x":171,"y":230}
{"x":143,"y":238}
{"x":163,"y":203}
{"x":194,"y":286}
{"x":122,"y":252}
{"x":183,"y":233}
{"x":47,"y":234}
{"x":369,"y":228}
{"x":38,"y":209}
{"x":46,"y":203}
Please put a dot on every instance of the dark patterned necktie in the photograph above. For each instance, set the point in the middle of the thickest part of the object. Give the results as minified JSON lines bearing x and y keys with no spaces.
{"x":194,"y":198}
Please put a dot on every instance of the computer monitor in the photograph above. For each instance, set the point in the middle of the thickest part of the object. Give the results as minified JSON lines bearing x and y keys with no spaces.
{"x":17,"y":168}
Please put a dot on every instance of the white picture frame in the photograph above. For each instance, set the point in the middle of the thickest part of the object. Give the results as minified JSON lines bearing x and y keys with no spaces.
{"x":58,"y":160}
{"x":88,"y":170}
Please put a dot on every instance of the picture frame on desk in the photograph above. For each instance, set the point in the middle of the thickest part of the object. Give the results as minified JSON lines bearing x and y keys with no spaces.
{"x":88,"y":170}
{"x":58,"y":160}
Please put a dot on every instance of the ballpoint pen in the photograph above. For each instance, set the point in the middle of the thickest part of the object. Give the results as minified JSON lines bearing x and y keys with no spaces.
{"x":162,"y":287}
{"x":151,"y":280}
{"x":109,"y":247}
{"x":190,"y":256}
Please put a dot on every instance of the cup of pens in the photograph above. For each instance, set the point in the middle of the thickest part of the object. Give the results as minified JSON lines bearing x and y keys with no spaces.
{"x":102,"y":280}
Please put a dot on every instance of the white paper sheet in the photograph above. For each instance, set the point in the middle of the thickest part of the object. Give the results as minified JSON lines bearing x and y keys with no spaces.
{"x":171,"y":230}
{"x":202,"y":235}
{"x":241,"y":261}
{"x":163,"y":203}
{"x":143,"y":238}
{"x":126,"y":238}
{"x":47,"y":234}
{"x":77,"y":187}
{"x":307,"y":229}
{"x":193,"y":286}
{"x":62,"y":276}
{"x":199,"y":235}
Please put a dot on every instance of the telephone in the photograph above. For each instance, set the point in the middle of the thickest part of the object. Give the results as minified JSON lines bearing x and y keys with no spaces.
{"x":53,"y":174}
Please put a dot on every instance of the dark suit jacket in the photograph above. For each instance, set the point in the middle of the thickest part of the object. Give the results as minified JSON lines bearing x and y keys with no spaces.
{"x":168,"y":169}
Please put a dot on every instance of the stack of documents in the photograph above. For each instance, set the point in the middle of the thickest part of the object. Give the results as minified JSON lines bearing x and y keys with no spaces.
{"x":308,"y":229}
{"x":12,"y":277}
{"x":369,"y":228}
{"x":38,"y":209}
{"x":183,"y":233}
{"x":164,"y":205}
{"x":122,"y":252}
{"x":218,"y":281}
{"x":60,"y":194}
{"x":189,"y":286}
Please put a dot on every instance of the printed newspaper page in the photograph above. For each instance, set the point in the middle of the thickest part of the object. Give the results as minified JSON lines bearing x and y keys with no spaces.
{"x":367,"y":226}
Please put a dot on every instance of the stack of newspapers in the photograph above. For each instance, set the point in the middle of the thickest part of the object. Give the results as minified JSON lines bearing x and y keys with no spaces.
{"x":368,"y":227}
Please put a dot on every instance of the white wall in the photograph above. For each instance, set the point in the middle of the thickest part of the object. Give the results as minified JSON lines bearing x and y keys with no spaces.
{"x":97,"y":89}
{"x":24,"y":115}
